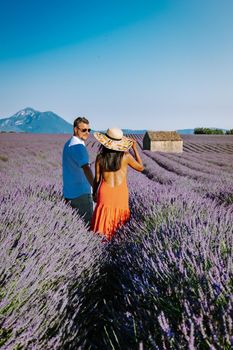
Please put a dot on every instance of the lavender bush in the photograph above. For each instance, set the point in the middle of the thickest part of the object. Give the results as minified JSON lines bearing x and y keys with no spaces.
{"x":179,"y":269}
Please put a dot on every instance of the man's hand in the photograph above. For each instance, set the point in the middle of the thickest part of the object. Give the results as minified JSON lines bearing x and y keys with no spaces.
{"x":88,"y":172}
{"x":94,"y":197}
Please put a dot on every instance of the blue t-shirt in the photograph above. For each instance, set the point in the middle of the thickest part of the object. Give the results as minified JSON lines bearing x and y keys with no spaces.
{"x":75,"y":155}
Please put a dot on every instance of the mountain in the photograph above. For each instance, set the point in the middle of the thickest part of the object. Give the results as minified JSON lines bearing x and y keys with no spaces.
{"x":185,"y":131}
{"x":30,"y":120}
{"x":131,"y":131}
{"x":182,"y":131}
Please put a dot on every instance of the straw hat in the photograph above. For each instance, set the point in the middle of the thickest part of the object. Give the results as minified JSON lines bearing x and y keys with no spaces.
{"x":114,"y":139}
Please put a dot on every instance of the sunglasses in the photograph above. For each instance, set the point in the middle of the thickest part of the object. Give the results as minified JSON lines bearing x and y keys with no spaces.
{"x":84,"y":130}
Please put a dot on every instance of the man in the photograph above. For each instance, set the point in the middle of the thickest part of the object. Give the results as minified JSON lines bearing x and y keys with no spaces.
{"x":77,"y":174}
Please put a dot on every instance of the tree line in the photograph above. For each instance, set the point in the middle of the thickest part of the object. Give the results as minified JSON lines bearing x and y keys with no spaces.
{"x":212,"y":131}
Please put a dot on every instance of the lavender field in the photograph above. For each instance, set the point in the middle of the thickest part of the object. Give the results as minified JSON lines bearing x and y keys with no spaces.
{"x":164,"y":282}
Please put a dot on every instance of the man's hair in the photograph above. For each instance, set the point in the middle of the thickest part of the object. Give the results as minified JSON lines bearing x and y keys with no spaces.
{"x":79,"y":120}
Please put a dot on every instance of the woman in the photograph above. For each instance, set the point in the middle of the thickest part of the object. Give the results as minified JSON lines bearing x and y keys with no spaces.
{"x":112,"y":208}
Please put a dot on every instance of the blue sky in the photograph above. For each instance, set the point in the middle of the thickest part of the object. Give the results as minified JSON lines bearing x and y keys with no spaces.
{"x":160,"y":65}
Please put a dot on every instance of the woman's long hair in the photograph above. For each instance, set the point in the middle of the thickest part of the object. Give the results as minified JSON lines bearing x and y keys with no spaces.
{"x":110,"y":160}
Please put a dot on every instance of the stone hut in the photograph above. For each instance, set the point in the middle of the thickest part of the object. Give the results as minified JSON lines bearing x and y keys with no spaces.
{"x":163,"y":141}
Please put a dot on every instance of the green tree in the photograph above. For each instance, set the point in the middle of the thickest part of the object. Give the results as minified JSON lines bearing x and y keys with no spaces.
{"x":217,"y":131}
{"x":208,"y":131}
{"x":198,"y":131}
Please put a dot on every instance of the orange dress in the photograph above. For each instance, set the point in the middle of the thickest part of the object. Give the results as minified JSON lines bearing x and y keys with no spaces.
{"x":112,"y":208}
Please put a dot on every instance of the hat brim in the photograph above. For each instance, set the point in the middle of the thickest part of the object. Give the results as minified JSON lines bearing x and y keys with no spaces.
{"x":122,"y":145}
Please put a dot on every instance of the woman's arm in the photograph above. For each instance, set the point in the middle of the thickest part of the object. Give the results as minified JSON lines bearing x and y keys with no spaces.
{"x":135,"y":163}
{"x":97,"y":178}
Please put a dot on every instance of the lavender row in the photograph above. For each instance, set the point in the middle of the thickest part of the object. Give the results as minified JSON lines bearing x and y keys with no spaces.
{"x":198,"y":165}
{"x":212,"y":148}
{"x":208,"y":139}
{"x":205,"y":160}
{"x":46,"y":251}
{"x":182,"y":170}
{"x":178,"y":269}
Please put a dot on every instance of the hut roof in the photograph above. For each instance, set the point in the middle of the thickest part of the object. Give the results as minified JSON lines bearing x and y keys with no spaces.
{"x":164,"y":136}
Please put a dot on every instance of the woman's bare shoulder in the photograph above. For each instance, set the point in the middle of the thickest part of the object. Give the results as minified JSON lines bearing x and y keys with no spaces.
{"x":127,"y":156}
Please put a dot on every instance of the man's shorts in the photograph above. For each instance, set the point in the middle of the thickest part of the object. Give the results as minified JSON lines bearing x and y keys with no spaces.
{"x":84,"y":206}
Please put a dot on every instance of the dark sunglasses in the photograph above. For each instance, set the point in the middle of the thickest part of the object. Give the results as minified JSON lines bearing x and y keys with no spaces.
{"x":84,"y":130}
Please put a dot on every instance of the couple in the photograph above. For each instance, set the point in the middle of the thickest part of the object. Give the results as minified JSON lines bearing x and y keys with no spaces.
{"x":109,"y":185}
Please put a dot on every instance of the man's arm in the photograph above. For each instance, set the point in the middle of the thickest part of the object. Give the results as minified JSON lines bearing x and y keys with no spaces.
{"x":88,"y":173}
